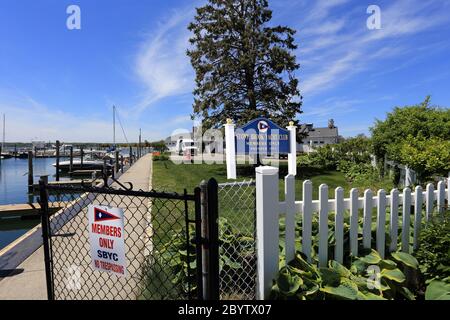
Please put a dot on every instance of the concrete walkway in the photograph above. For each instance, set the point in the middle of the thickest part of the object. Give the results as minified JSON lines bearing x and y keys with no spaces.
{"x":27,"y":281}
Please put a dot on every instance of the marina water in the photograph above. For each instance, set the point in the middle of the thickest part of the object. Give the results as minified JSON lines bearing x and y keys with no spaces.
{"x":14,"y":190}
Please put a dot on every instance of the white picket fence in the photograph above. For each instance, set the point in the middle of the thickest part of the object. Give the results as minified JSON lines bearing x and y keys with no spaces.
{"x":269,"y":209}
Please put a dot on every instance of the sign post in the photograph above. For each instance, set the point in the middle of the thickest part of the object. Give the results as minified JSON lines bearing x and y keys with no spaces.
{"x":230,"y":149}
{"x":106,"y":236}
{"x":292,"y":156}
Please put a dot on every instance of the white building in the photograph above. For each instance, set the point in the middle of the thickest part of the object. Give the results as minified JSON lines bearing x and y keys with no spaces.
{"x":318,"y":137}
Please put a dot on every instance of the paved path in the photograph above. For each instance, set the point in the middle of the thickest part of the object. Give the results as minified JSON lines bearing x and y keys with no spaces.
{"x":28,"y":280}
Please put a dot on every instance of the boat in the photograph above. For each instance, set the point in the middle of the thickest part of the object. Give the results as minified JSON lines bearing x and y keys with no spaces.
{"x":22,"y":155}
{"x":3,"y":154}
{"x":88,"y":164}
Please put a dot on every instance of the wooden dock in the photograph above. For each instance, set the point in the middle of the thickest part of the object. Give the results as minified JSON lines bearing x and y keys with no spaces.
{"x":27,"y":209}
{"x":69,"y":183}
{"x":85,"y":172}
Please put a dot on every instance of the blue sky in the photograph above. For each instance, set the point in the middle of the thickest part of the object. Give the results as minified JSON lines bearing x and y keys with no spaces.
{"x":57,"y":83}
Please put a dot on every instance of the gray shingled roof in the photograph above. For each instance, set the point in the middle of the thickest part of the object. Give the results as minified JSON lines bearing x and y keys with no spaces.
{"x":323,"y":133}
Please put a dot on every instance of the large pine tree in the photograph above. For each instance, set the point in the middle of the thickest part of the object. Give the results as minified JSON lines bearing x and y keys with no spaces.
{"x":244,"y":68}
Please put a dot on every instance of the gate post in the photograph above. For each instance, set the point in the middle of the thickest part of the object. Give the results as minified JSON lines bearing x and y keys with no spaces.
{"x":204,"y":235}
{"x":213,"y":239}
{"x":43,"y":202}
{"x":267,"y":229}
{"x":199,"y":243}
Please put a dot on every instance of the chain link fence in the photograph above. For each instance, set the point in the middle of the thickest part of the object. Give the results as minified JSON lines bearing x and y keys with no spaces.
{"x":158,"y":254}
{"x":237,"y":231}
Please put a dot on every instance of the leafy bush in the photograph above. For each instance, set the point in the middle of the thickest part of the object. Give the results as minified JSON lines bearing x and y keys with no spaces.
{"x":324,"y":158}
{"x":416,"y":136}
{"x":302,"y":280}
{"x":355,"y":172}
{"x":161,"y":157}
{"x":351,"y":157}
{"x":433,"y":253}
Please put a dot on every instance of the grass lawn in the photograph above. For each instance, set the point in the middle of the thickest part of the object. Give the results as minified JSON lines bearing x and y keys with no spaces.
{"x":168,"y":176}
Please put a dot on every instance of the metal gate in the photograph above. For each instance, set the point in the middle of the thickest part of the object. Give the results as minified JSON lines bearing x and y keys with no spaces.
{"x":237,"y":234}
{"x":162,"y":239}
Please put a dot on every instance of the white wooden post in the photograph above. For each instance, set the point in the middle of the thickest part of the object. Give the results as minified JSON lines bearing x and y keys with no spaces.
{"x":448,"y":190}
{"x":289,"y":196}
{"x":418,"y":199}
{"x":394,"y":220}
{"x":367,"y":224}
{"x":307,"y":219}
{"x":381,"y":222}
{"x":292,"y":156}
{"x":406,"y":218}
{"x":354,"y":222}
{"x":441,"y":197}
{"x":339,"y":225}
{"x":323,"y":225}
{"x":407,"y":177}
{"x":230,"y":149}
{"x":429,"y":198}
{"x":267,"y":229}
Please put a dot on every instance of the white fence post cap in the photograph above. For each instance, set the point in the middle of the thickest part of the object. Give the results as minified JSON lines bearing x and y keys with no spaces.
{"x":266,"y":170}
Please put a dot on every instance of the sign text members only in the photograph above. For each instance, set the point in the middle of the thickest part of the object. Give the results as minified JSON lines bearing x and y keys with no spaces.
{"x":262,"y":136}
{"x":106,"y":237}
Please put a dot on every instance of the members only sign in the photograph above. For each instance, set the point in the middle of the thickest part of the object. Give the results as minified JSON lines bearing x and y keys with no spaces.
{"x":106,"y":237}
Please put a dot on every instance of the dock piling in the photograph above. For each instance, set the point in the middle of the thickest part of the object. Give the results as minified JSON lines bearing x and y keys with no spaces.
{"x":30,"y":172}
{"x":131,"y":155}
{"x":117,"y":164}
{"x":57,"y":159}
{"x":81,"y":157}
{"x":71,"y":160}
{"x":105,"y":173}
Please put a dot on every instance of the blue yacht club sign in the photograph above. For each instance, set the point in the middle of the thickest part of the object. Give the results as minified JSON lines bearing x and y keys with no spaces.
{"x":262,"y":136}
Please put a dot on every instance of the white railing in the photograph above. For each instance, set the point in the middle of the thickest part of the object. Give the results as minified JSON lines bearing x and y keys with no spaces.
{"x":269,"y":209}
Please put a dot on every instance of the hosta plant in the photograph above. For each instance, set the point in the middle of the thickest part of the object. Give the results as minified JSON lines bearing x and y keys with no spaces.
{"x":368,"y":278}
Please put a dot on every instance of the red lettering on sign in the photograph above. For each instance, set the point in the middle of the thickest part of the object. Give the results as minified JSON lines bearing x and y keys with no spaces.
{"x":106,"y":230}
{"x":106,"y":243}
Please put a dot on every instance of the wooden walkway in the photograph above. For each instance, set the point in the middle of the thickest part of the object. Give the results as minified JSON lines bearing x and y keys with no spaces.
{"x":27,"y":281}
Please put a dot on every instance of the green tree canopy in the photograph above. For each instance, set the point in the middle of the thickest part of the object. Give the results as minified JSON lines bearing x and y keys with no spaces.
{"x":415,"y":136}
{"x":423,"y":119}
{"x":244,"y":68}
{"x":426,"y":156}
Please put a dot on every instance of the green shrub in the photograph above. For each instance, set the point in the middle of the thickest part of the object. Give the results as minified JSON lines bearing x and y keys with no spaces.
{"x":433,"y":253}
{"x":324,"y":158}
{"x":161,"y":157}
{"x":300,"y":280}
{"x":358,"y":171}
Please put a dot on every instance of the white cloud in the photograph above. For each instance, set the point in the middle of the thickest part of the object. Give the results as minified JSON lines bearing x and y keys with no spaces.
{"x":322,"y":9}
{"x":331,"y":56}
{"x":330,"y":108}
{"x":161,"y":64}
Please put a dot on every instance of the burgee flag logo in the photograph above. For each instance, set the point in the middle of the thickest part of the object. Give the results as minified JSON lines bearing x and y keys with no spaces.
{"x":263,"y":126}
{"x":102,"y":215}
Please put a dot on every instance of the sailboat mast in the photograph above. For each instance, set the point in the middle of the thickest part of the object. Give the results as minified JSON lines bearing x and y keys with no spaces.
{"x":3,"y":140}
{"x":114,"y":126}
